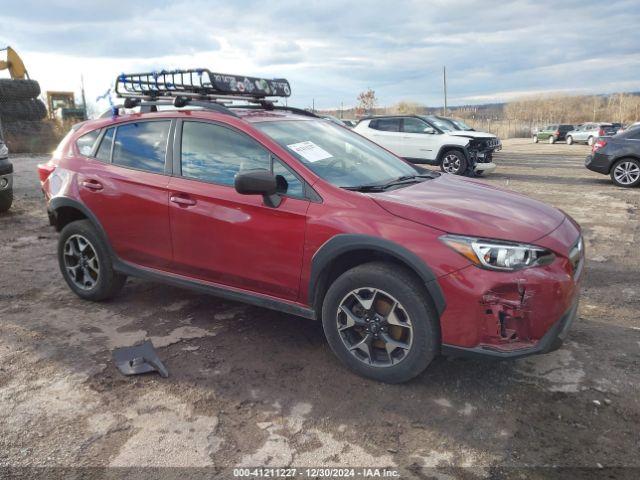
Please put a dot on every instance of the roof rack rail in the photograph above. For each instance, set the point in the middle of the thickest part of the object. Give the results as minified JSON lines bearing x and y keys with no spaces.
{"x":199,"y":83}
{"x":299,"y":111}
{"x":200,"y":87}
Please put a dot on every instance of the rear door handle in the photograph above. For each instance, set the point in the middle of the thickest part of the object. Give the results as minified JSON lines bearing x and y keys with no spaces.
{"x":92,"y":185}
{"x":182,"y":201}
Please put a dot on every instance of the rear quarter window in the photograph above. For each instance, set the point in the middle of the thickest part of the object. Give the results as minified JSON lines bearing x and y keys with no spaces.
{"x":87,"y":142}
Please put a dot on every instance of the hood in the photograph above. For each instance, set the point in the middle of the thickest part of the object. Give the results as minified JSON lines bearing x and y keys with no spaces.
{"x":467,"y":207}
{"x":471,"y":134}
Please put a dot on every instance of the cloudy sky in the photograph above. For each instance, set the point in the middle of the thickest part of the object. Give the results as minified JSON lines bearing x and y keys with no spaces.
{"x":330,"y":50}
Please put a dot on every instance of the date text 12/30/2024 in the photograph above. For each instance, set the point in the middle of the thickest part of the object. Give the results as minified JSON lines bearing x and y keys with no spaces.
{"x":321,"y":472}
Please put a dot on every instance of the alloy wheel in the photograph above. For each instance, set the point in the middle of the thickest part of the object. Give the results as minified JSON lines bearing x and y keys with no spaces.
{"x":374,"y":327}
{"x":81,"y":262}
{"x":626,"y":173}
{"x":451,"y":163}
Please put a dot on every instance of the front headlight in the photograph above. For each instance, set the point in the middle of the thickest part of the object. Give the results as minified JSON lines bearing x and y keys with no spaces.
{"x":498,"y":254}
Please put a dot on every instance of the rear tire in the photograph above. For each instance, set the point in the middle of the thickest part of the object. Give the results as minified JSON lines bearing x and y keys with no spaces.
{"x":390,"y":352}
{"x":626,"y":173}
{"x":590,"y":141}
{"x":552,"y":139}
{"x":454,"y":162}
{"x":535,"y":139}
{"x":569,"y":140}
{"x":85,"y":262}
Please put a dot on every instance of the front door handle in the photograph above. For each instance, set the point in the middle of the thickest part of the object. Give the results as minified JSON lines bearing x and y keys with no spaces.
{"x":92,"y":185}
{"x":182,"y":201}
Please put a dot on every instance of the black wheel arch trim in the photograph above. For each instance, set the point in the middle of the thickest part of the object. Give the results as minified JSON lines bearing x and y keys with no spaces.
{"x":343,"y":243}
{"x":58,"y":202}
{"x":446,"y":148}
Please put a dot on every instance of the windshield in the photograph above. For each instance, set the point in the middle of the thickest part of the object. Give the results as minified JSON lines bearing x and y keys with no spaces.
{"x":335,"y":154}
{"x":460,"y":125}
{"x":443,"y":125}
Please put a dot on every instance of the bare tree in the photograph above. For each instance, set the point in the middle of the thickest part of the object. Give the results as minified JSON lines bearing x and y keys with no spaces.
{"x":367,"y":101}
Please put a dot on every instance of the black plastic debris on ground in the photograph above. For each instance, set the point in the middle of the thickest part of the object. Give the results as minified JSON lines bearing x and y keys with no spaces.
{"x":139,"y":359}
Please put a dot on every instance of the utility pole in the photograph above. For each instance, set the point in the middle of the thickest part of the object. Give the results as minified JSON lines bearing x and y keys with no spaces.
{"x":313,"y":105}
{"x":444,"y":82}
{"x":84,"y":100}
{"x":341,"y":109}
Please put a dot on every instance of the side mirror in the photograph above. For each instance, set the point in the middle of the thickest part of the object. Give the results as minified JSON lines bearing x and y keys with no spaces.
{"x":258,"y":182}
{"x":429,"y":130}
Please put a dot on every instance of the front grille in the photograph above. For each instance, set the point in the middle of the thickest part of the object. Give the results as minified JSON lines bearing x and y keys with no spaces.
{"x":493,"y":143}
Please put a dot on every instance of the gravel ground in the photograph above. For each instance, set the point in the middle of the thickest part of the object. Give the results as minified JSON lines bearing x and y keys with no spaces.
{"x":252,"y":387}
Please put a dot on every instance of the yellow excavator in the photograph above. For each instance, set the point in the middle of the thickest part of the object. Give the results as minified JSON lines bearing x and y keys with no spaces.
{"x":14,"y":64}
{"x":60,"y":105}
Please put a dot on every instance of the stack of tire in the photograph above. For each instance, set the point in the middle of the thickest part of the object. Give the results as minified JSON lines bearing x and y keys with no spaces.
{"x":22,"y":117}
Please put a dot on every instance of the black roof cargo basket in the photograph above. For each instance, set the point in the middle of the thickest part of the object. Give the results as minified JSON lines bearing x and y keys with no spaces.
{"x":199,"y":83}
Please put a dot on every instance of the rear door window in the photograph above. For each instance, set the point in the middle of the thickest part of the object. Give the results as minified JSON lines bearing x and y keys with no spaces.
{"x":386,"y":124}
{"x":142,"y":145}
{"x":104,"y":151}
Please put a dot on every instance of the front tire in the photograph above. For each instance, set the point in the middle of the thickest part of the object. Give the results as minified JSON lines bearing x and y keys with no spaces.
{"x":569,"y":140}
{"x":85,"y":262}
{"x":379,"y":323}
{"x":454,"y":162}
{"x":626,"y":173}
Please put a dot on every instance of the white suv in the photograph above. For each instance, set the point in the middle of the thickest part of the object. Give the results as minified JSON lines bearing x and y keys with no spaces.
{"x":432,"y":140}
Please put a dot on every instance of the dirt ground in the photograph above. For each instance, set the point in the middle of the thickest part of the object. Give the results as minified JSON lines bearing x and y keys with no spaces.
{"x":252,"y":387}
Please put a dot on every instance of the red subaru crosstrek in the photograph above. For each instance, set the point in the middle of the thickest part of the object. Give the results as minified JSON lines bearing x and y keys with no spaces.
{"x":276,"y":207}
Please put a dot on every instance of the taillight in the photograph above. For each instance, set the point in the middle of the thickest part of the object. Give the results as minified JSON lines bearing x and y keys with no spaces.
{"x":557,"y":134}
{"x":598,"y":145}
{"x":44,"y":170}
{"x":601,"y":133}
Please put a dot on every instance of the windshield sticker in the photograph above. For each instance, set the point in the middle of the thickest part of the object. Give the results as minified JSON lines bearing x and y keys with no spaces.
{"x":310,"y":151}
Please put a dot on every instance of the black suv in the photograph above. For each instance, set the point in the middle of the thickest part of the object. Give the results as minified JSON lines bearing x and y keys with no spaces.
{"x":617,"y":156}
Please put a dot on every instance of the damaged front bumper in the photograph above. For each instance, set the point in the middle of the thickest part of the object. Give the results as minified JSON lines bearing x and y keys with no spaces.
{"x":480,"y":154}
{"x":519,"y":313}
{"x":551,"y":341}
